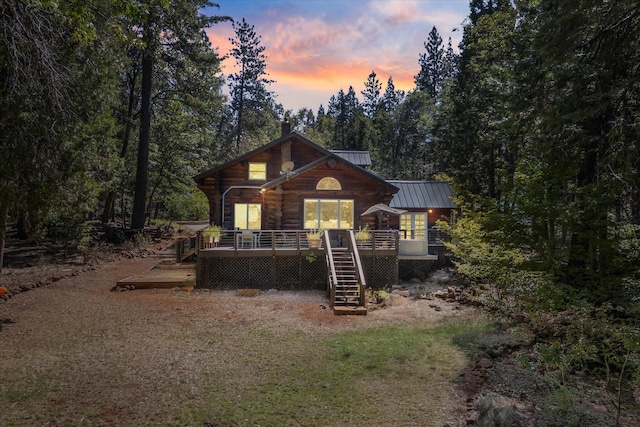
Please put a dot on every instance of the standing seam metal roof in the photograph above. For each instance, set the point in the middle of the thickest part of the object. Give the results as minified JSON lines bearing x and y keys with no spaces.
{"x":360,"y":158}
{"x":423,"y":194}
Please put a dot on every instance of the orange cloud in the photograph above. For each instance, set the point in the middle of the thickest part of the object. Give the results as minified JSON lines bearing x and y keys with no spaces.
{"x":318,"y":51}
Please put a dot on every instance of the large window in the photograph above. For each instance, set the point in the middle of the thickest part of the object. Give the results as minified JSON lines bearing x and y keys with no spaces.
{"x":328,"y":214}
{"x":247,"y":216}
{"x":414,"y":224}
{"x":258,"y":171}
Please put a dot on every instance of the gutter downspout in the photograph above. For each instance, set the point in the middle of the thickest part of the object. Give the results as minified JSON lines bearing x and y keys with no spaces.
{"x":235,"y":187}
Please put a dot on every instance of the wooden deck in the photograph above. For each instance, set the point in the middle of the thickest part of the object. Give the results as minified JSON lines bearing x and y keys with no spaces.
{"x":162,"y":276}
{"x":289,"y":242}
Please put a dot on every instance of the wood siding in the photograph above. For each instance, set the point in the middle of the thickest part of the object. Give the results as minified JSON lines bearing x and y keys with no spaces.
{"x":283,"y":207}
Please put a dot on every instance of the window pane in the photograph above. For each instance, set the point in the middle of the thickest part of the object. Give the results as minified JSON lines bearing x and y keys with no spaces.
{"x":258,"y":171}
{"x":311,"y":220}
{"x":328,"y":214}
{"x":247,"y":216}
{"x":254,"y":216}
{"x":419,"y":221}
{"x":405,"y":225}
{"x":328,"y":183}
{"x":346,"y":214}
{"x":240,"y":216}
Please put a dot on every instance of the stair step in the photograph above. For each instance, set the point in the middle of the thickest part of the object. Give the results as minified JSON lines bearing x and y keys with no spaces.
{"x":359,"y":310}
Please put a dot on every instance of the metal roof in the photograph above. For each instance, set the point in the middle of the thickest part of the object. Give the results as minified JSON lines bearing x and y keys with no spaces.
{"x":422,"y":194}
{"x":360,"y":158}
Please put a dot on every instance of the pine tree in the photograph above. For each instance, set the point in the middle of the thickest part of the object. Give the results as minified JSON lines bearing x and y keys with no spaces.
{"x":432,"y":65}
{"x":450,"y":65}
{"x":392,"y":97}
{"x":371,"y":95}
{"x":250,"y":96}
{"x":169,"y":30}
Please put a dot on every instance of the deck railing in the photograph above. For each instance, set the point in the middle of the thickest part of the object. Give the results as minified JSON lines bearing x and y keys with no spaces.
{"x":256,"y":239}
{"x":356,"y":253}
{"x":277,"y":240}
{"x":435,"y":236}
{"x":185,"y":247}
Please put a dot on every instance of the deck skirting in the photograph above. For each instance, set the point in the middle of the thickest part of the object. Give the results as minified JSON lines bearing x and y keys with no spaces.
{"x":286,"y":270}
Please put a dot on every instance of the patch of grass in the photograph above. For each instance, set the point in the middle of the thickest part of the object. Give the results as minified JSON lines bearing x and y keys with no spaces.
{"x":387,"y":375}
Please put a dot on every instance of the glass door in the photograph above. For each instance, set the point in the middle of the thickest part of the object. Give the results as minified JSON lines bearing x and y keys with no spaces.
{"x":247,"y":216}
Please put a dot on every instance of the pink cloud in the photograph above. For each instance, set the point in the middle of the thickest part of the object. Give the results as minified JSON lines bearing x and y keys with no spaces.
{"x":311,"y":48}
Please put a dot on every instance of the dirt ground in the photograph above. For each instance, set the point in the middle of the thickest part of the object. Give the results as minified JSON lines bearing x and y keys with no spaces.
{"x":63,"y":325}
{"x":65,"y":313}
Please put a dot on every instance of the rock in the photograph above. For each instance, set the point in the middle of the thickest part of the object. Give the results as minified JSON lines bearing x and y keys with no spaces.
{"x":485,"y":363}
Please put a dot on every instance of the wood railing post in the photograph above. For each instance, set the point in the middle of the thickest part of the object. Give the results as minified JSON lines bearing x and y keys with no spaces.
{"x":356,"y":258}
{"x":330,"y":265}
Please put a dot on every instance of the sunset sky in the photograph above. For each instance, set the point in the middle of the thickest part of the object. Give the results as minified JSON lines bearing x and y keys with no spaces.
{"x":314,"y":48}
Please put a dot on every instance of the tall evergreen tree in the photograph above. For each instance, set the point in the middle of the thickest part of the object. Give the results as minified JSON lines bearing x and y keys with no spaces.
{"x":432,"y":65}
{"x":165,"y":28}
{"x":483,"y":82}
{"x":345,"y":109}
{"x":54,"y":101}
{"x":322,"y":129}
{"x":450,"y":66}
{"x":371,"y":95}
{"x":586,"y":145}
{"x":251,"y":100}
{"x":392,"y":97}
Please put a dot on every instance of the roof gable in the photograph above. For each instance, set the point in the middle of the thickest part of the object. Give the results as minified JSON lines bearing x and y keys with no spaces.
{"x":423,"y":194}
{"x":342,"y":156}
{"x":291,"y":136}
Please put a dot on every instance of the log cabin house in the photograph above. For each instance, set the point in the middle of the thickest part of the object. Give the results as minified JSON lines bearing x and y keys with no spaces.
{"x":268,"y":202}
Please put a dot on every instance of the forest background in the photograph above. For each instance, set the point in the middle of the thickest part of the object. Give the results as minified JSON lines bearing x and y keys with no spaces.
{"x":109,"y":108}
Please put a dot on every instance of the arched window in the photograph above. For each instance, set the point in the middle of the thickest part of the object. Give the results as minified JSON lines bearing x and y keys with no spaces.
{"x":328,"y":183}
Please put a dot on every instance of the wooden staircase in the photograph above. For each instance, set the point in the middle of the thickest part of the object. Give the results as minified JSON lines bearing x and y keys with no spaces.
{"x":346,"y":280}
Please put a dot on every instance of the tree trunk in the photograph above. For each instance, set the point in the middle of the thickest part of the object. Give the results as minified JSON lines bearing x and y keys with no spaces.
{"x":108,"y":207}
{"x":4,"y":213}
{"x":111,"y":197}
{"x":142,"y":171}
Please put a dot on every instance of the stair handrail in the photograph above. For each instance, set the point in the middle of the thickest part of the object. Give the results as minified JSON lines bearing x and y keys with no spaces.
{"x":333,"y":279}
{"x":356,"y":259}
